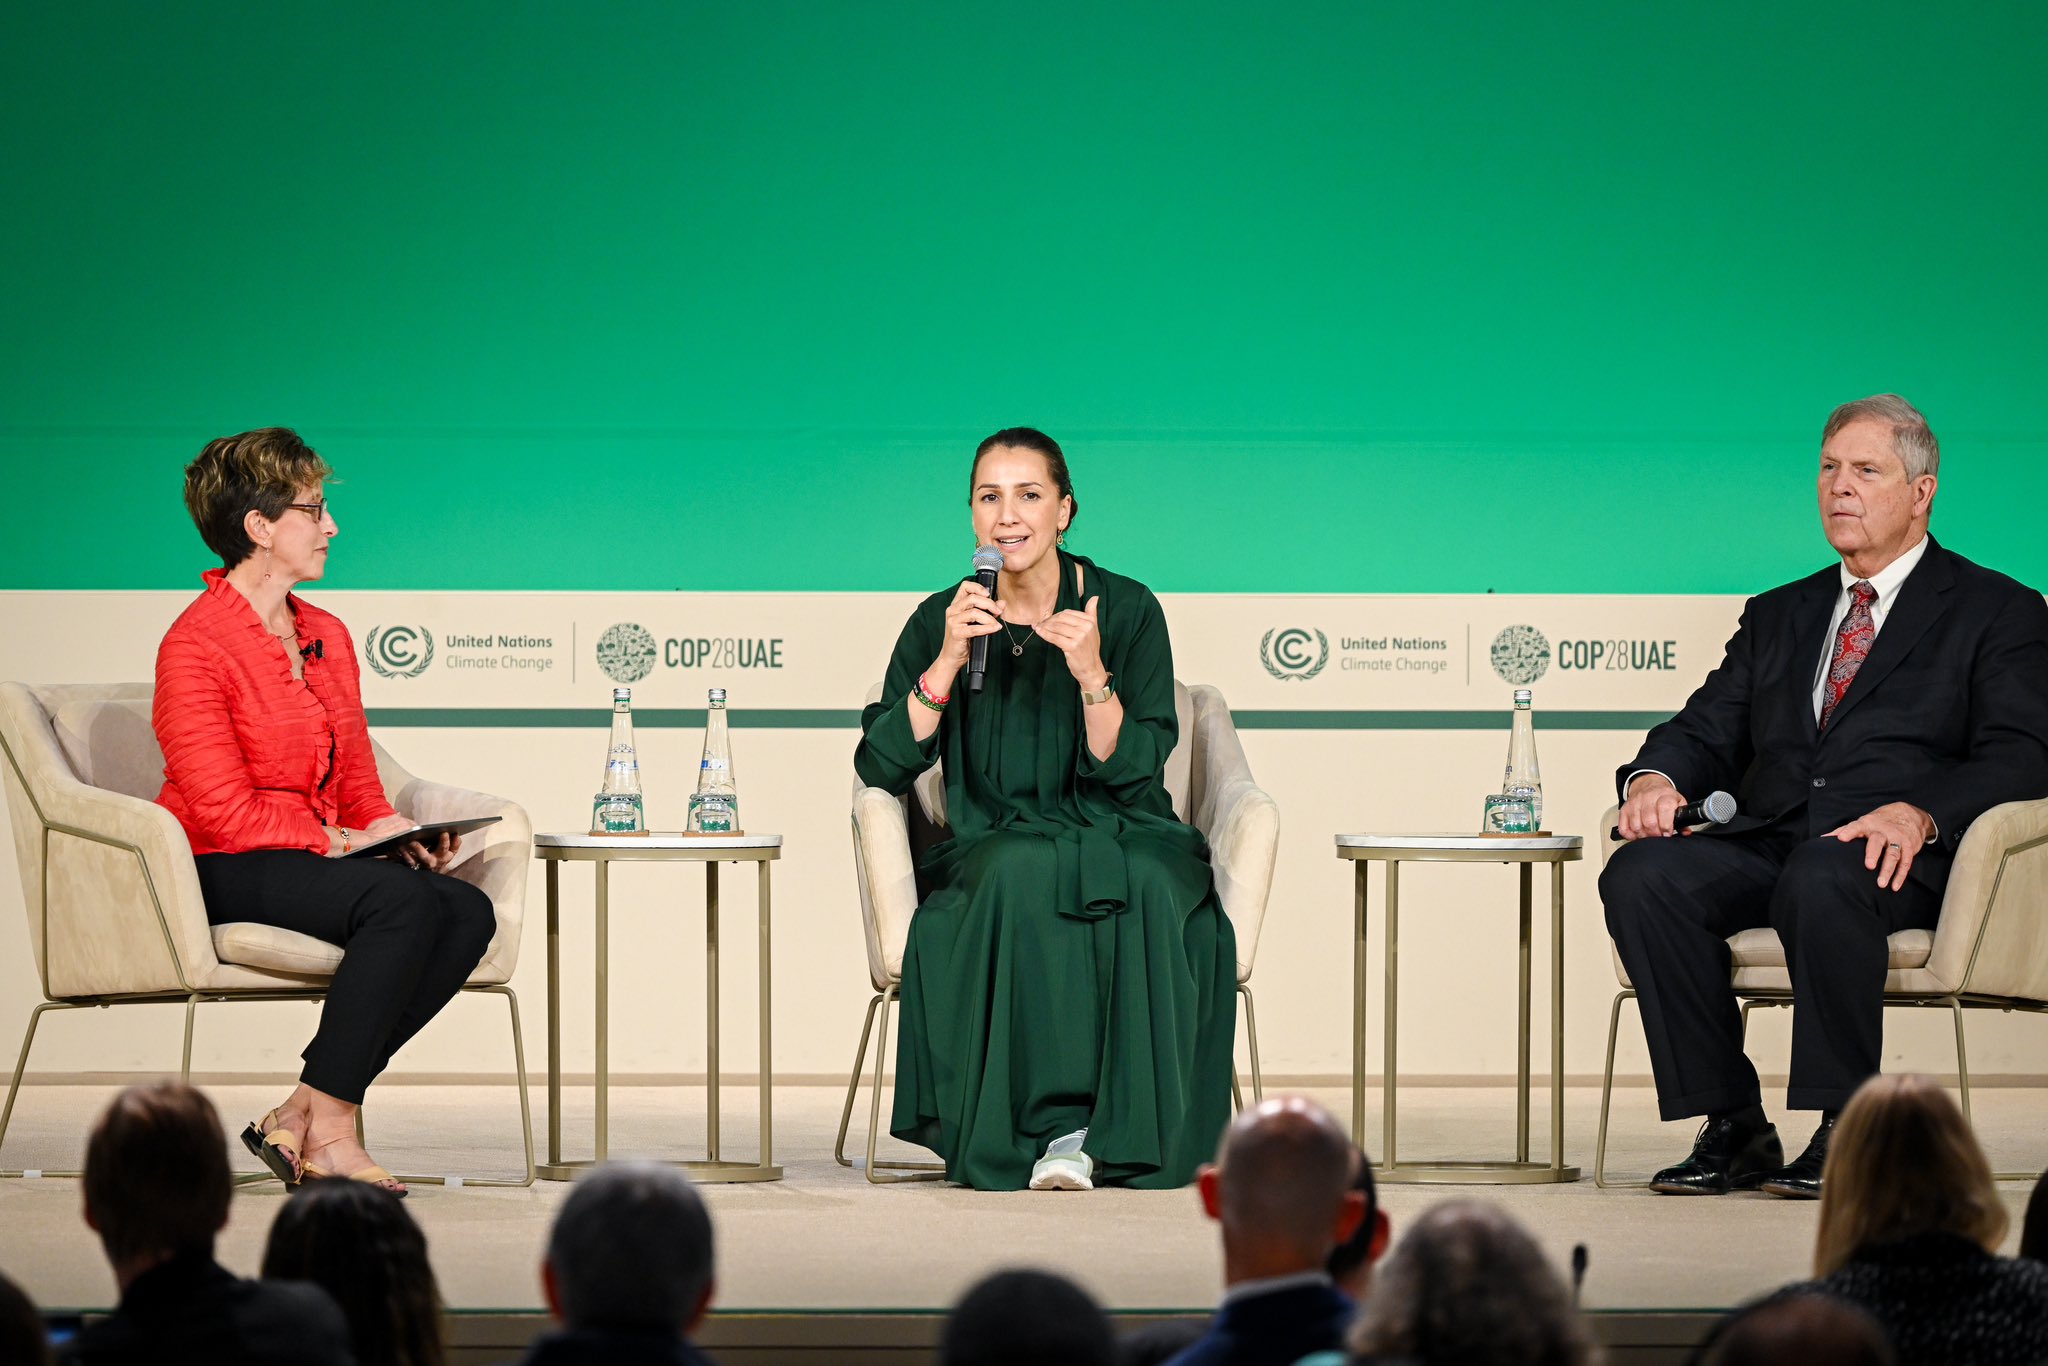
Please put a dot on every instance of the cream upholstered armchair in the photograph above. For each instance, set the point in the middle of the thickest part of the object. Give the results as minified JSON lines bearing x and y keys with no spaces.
{"x":1212,"y":789}
{"x":1989,"y":950}
{"x":115,"y":915}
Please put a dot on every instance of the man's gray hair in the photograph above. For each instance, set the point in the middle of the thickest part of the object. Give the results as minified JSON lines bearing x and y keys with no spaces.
{"x":631,"y":1248}
{"x":1912,"y":439}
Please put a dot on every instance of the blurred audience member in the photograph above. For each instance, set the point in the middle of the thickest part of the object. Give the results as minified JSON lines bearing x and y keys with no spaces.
{"x":156,"y":1192}
{"x":1281,"y":1187}
{"x":1026,"y":1318}
{"x":1812,"y":1330}
{"x":1910,"y":1224}
{"x":2034,"y":1231}
{"x":628,"y":1270}
{"x":358,"y":1244}
{"x":1466,"y":1286}
{"x":23,"y":1337}
{"x":1350,"y":1265}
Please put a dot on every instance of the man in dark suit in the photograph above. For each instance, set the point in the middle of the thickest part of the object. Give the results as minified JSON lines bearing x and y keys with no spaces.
{"x":628,"y":1270}
{"x":1281,"y":1186}
{"x":157,"y":1187}
{"x":1863,"y":716}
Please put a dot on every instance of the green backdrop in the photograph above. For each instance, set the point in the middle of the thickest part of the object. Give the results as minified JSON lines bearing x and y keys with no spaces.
{"x":1350,"y":296}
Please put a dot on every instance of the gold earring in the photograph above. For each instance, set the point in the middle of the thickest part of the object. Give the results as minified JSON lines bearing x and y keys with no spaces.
{"x":266,"y":564}
{"x":1063,"y":540}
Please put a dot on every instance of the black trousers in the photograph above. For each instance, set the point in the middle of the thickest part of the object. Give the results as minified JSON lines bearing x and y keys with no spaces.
{"x":1671,"y":905}
{"x":411,"y":939}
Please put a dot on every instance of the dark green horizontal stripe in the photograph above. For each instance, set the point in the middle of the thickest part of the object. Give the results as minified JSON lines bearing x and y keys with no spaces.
{"x":826,"y":718}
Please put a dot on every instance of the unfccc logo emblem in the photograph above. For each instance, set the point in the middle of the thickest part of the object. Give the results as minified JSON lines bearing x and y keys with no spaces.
{"x":1294,"y":653}
{"x":399,"y":651}
{"x":626,"y":652}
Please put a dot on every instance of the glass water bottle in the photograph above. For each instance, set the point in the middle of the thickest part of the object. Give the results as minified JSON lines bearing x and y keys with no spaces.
{"x":715,"y":805}
{"x":617,"y":808}
{"x":1523,"y":783}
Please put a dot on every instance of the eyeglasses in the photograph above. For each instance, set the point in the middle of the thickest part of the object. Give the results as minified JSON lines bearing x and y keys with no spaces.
{"x":317,"y":511}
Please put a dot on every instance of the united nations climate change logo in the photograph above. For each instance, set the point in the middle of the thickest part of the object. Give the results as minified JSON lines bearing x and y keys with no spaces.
{"x":1294,"y":653}
{"x":626,"y":653}
{"x":1520,"y":655}
{"x":399,"y":651}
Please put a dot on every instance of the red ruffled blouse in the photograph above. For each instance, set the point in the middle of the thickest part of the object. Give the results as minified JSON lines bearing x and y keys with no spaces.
{"x":253,"y":757}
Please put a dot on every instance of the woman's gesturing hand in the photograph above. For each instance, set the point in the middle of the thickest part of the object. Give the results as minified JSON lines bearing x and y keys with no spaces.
{"x":973,"y":613}
{"x":1079,"y":639}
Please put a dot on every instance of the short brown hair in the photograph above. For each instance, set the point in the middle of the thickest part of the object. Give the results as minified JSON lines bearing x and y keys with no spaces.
{"x":1900,"y":1124}
{"x":1912,"y":439}
{"x":156,"y":1172}
{"x":261,"y":471}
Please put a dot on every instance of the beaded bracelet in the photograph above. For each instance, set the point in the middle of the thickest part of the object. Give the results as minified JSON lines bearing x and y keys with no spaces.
{"x":924,"y":695}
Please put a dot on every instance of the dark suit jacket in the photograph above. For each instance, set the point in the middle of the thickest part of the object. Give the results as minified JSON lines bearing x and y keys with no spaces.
{"x":193,"y":1310}
{"x":1948,"y":712}
{"x":1275,"y":1329}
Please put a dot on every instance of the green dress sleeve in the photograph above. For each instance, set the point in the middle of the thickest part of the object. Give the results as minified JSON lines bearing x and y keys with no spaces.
{"x":889,"y":756}
{"x":1139,"y":654}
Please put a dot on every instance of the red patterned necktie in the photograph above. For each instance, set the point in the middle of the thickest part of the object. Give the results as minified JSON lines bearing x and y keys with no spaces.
{"x":1852,"y":647}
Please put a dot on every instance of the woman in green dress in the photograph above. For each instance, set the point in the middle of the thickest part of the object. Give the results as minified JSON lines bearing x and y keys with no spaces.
{"x":1067,"y":988}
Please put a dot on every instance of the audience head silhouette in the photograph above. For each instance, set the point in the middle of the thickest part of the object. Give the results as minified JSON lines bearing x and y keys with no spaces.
{"x":631,"y":1251}
{"x":1351,"y":1261}
{"x":358,"y":1244}
{"x":23,"y":1339}
{"x":1467,"y":1285}
{"x":1281,"y":1187}
{"x":156,"y":1177}
{"x":1895,"y":1124}
{"x":1023,"y":1318}
{"x":2034,"y":1232}
{"x":1813,"y":1330}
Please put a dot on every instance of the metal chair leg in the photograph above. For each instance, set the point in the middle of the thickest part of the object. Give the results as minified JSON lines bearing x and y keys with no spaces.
{"x":526,"y":1177}
{"x":914,"y":1171}
{"x":1962,"y":1059}
{"x":860,"y":1056}
{"x":1607,"y":1097}
{"x":1251,"y":1031}
{"x":28,"y":1038}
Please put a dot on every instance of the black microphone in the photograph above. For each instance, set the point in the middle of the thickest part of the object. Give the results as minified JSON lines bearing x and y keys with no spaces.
{"x":1579,"y":1260}
{"x":988,"y":562}
{"x":313,"y":651}
{"x":1716,"y":808}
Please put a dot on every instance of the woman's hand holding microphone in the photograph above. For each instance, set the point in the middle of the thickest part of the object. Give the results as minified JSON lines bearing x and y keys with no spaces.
{"x":973,"y":613}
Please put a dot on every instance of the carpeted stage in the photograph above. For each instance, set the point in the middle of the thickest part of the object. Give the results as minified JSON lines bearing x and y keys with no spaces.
{"x":823,"y":1266}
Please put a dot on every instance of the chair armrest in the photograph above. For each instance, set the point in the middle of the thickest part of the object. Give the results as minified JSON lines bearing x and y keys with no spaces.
{"x":105,"y":937}
{"x":1244,"y":844}
{"x":495,"y":859}
{"x":1992,"y":938}
{"x":888,"y":880}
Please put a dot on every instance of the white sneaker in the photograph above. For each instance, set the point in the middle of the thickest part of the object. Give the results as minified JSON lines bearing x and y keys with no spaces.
{"x":1064,"y":1167}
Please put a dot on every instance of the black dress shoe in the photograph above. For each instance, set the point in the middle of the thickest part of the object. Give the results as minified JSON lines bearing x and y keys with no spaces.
{"x":1800,"y":1180}
{"x":1725,"y":1157}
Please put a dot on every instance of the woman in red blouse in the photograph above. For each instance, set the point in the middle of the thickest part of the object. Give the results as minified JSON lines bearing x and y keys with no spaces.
{"x":268,"y":766}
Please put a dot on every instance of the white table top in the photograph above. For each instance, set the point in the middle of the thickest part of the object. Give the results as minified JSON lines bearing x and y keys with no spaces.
{"x":1503,"y":844}
{"x":658,"y":839}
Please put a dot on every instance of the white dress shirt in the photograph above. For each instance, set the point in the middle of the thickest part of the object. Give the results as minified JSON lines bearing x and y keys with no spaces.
{"x":1887,"y":581}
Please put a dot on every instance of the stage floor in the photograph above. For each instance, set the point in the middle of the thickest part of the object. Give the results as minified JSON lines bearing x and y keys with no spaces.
{"x":824,"y":1239}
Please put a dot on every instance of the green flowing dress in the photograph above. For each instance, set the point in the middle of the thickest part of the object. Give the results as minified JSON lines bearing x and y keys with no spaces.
{"x":1069,"y":965}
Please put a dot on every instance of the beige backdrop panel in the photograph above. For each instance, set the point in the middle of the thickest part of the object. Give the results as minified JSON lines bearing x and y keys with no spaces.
{"x":1314,"y":676}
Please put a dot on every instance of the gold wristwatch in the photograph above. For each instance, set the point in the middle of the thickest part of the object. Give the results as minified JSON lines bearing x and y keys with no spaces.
{"x":1108,"y":691}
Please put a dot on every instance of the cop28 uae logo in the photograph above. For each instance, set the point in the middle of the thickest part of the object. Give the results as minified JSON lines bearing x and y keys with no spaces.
{"x":1520,"y":655}
{"x":399,"y":651}
{"x":626,"y":653}
{"x":1294,"y":653}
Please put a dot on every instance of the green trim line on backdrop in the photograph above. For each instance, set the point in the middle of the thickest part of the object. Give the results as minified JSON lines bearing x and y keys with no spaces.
{"x":829,"y":718}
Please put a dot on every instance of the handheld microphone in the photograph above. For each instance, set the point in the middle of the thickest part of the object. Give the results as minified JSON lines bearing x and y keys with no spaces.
{"x":1716,"y":808}
{"x":988,"y":562}
{"x":1579,"y":1260}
